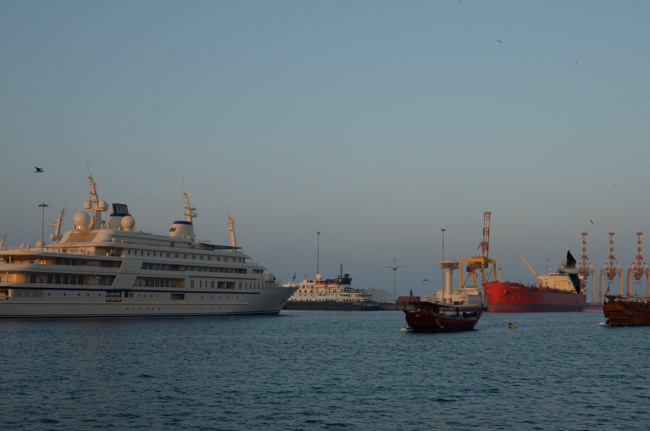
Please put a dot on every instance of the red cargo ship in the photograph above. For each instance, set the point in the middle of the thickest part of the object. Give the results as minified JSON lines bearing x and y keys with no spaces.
{"x":560,"y":291}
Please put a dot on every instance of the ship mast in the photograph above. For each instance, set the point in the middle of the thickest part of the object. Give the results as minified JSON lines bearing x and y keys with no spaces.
{"x":190,"y":213}
{"x":2,"y":240}
{"x":58,"y":222}
{"x":97,"y":212}
{"x":231,"y":227}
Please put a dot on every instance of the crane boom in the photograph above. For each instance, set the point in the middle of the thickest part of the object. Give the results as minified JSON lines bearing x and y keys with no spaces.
{"x":528,"y":265}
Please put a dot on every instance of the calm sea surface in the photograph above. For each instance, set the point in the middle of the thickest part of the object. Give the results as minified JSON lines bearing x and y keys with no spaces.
{"x":323,"y":370}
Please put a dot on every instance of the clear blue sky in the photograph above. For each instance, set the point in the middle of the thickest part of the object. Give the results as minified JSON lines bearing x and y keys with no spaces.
{"x":376,"y":123}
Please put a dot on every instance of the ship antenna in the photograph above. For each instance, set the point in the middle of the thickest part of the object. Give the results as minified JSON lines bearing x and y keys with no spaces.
{"x":2,"y":240}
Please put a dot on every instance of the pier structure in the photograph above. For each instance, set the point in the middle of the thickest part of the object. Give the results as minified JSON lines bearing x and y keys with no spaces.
{"x":585,"y":269}
{"x":611,"y":269}
{"x":638,"y":269}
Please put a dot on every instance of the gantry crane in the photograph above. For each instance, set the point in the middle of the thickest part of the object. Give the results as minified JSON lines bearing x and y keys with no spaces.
{"x":611,"y":268}
{"x":480,"y":261}
{"x":638,"y":269}
{"x":585,"y":268}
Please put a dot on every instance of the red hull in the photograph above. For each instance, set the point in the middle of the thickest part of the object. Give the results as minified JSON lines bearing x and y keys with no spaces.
{"x":507,"y":297}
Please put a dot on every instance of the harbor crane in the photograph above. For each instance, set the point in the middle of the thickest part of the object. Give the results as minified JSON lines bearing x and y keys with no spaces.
{"x":611,"y":269}
{"x":638,"y":269}
{"x":480,"y":261}
{"x":585,"y":268}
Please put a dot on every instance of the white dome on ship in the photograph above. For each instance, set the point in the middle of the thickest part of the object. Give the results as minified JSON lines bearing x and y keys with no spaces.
{"x":81,"y":220}
{"x":128,"y":222}
{"x":103,"y":206}
{"x":319,"y":277}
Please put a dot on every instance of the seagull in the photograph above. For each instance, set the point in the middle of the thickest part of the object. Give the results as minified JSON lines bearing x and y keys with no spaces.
{"x":426,"y":279}
{"x":592,"y":222}
{"x":499,"y":41}
{"x":38,"y":170}
{"x":576,"y":63}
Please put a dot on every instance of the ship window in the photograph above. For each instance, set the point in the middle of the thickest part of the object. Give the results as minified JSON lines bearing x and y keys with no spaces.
{"x":193,"y":256}
{"x":192,"y":283}
{"x":178,"y":296}
{"x":201,"y":257}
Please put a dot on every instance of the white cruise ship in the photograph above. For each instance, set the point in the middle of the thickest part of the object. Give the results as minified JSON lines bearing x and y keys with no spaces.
{"x":330,"y":295}
{"x":107,"y":268}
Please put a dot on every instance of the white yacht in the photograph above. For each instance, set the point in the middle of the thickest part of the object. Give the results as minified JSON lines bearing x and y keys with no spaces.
{"x":107,"y":268}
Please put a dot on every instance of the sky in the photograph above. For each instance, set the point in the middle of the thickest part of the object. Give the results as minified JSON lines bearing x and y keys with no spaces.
{"x":376,"y":123}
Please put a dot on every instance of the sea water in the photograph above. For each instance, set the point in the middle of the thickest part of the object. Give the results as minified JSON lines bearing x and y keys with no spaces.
{"x":323,"y":370}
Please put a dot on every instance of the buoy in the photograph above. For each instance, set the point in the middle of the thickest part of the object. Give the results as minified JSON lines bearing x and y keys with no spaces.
{"x":512,"y":325}
{"x":406,"y":329}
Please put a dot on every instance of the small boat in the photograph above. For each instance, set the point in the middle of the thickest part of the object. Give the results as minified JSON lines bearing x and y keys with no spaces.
{"x":435,"y":317}
{"x":627,"y":311}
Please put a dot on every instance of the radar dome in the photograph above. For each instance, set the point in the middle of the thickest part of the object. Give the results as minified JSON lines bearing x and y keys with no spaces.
{"x":103,"y":206}
{"x":81,"y":220}
{"x":128,"y":222}
{"x":319,"y":277}
{"x":88,"y":205}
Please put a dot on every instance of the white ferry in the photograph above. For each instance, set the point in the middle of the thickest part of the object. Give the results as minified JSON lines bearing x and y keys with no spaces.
{"x":332,"y":294}
{"x":107,"y":268}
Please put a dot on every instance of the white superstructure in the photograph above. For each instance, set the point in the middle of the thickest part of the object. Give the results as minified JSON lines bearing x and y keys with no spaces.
{"x":107,"y":268}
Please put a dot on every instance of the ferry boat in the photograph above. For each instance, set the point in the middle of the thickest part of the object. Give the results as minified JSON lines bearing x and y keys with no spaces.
{"x":107,"y":268}
{"x":332,"y":294}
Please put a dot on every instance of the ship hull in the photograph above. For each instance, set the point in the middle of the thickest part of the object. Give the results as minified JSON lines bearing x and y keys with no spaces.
{"x":626,"y":311}
{"x":507,"y":297}
{"x":81,"y":302}
{"x":330,"y":306}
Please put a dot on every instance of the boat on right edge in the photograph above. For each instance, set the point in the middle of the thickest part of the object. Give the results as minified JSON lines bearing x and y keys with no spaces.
{"x":627,"y":311}
{"x":554,"y":292}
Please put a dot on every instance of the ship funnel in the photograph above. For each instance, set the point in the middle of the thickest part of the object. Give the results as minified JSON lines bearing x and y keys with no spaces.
{"x":572,"y":271}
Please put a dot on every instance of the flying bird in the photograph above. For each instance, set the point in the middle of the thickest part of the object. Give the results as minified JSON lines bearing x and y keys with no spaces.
{"x":426,"y":279}
{"x":592,"y":222}
{"x":499,"y":41}
{"x":38,"y":170}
